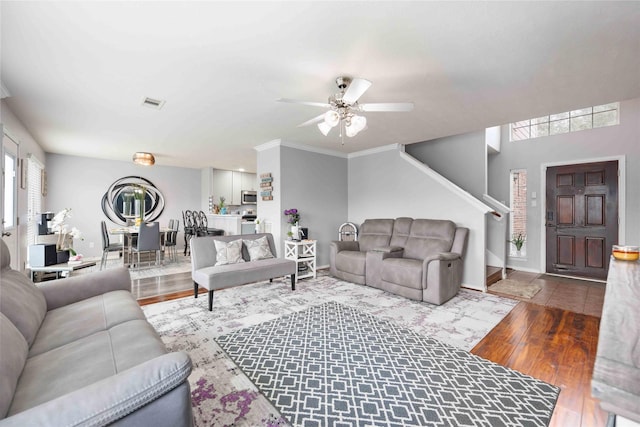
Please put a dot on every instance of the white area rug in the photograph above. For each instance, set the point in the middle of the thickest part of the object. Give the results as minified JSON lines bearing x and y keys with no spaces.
{"x":181,"y":265}
{"x":223,"y":395}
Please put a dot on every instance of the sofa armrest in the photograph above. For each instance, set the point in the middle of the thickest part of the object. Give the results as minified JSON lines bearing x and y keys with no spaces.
{"x":388,"y":249}
{"x":63,"y":292}
{"x":110,"y":399}
{"x":342,"y":245}
{"x":442,"y":256}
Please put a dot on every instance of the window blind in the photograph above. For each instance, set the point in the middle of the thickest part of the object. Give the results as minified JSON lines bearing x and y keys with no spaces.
{"x":34,"y":197}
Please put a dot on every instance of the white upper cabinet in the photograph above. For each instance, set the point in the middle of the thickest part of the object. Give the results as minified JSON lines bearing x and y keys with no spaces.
{"x":249,"y":181}
{"x":228,"y":184}
{"x":222,"y":186}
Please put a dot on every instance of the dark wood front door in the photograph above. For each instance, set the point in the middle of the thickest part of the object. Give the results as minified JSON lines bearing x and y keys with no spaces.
{"x":581,"y":218}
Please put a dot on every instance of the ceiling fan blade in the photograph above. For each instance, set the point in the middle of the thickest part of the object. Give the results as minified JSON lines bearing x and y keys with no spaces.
{"x":312,"y":121}
{"x":355,"y":90}
{"x":295,"y":101}
{"x":388,"y":106}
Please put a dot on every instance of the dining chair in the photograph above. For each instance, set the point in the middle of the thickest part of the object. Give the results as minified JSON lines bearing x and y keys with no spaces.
{"x":106,"y":246}
{"x":171,"y":240}
{"x":189,"y":229}
{"x":148,"y":241}
{"x":203,"y":228}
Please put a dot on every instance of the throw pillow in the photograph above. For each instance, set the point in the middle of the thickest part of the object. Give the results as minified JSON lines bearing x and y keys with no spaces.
{"x":228,"y":252}
{"x":258,"y":248}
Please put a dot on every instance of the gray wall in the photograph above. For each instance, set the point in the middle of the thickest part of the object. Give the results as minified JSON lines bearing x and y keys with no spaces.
{"x":79,"y":183}
{"x":607,"y":142}
{"x":268,"y":161}
{"x":316,"y":185}
{"x":384,"y":185}
{"x":456,"y":158}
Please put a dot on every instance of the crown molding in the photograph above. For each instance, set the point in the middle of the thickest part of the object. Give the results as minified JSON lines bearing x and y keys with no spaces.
{"x":281,"y":143}
{"x":390,"y":147}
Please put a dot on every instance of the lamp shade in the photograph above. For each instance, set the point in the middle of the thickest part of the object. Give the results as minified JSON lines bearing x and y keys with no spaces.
{"x":142,"y":158}
{"x":356,"y":124}
{"x":332,"y":118}
{"x":324,"y":128}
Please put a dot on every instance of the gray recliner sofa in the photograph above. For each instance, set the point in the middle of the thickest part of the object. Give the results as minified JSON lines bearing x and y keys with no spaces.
{"x":421,"y":259}
{"x":79,"y":351}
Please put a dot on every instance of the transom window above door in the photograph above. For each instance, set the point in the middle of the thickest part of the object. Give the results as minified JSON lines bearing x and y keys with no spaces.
{"x":569,"y":121}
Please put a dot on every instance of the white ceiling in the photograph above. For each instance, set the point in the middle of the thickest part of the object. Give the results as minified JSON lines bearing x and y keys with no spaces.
{"x":78,"y":71}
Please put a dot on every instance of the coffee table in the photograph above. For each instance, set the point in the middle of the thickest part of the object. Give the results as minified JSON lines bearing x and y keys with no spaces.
{"x":59,"y":269}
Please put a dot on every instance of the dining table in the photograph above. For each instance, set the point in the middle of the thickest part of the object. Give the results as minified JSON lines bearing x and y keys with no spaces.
{"x":129,"y":236}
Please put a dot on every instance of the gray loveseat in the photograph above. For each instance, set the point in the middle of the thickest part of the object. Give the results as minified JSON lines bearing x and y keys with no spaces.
{"x":421,"y":259}
{"x":79,"y":351}
{"x":207,"y":274}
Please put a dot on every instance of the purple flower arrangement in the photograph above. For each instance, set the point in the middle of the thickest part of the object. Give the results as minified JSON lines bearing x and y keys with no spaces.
{"x":293,"y":215}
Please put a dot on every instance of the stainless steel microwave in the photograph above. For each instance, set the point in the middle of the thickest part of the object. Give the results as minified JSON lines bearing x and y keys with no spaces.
{"x":249,"y":197}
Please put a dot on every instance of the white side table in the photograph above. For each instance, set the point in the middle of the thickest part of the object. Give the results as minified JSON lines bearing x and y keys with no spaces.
{"x":302,"y":252}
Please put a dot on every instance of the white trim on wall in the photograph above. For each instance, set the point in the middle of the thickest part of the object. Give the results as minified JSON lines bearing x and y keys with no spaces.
{"x":622,"y":194}
{"x":398,"y":147}
{"x":281,"y":143}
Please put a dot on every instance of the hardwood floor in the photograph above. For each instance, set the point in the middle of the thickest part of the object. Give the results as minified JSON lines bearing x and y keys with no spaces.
{"x":552,"y":337}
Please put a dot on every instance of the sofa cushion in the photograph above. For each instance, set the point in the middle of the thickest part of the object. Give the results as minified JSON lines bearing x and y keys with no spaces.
{"x":375,"y":233}
{"x":83,"y":318}
{"x":429,"y":237}
{"x":352,"y":262}
{"x":403,"y":271}
{"x":13,"y":355}
{"x":228,"y":252}
{"x":22,"y":302}
{"x":401,"y":230}
{"x":224,"y":276}
{"x":258,"y":248}
{"x":85,"y":361}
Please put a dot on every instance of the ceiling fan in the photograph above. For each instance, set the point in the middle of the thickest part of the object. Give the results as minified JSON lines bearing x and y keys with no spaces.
{"x":344,"y":108}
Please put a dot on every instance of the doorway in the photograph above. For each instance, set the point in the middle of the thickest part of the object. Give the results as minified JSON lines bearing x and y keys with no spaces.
{"x":581,"y":219}
{"x":9,"y":198}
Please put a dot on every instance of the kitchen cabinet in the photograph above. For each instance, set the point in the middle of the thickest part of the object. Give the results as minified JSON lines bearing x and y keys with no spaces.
{"x":249,"y":181}
{"x":225,"y":183}
{"x":222,"y":186}
{"x":231,"y":224}
{"x":236,"y":185}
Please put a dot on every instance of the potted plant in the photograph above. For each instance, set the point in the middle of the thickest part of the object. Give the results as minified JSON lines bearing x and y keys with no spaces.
{"x":518,"y":240}
{"x":221,"y":206}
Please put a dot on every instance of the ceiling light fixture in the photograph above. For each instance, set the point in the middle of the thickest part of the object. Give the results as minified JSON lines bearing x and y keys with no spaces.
{"x":142,"y":158}
{"x":344,"y":109}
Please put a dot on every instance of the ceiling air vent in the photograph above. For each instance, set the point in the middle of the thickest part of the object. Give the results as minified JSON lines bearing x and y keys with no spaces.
{"x":152,"y":103}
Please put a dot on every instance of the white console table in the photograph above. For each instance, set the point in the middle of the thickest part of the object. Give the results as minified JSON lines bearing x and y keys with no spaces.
{"x":302,"y":252}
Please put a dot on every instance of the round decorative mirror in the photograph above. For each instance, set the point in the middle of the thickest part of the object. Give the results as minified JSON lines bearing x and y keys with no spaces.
{"x":132,"y":197}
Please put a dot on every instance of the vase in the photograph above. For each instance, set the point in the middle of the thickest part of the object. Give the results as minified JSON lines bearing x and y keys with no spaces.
{"x":295,"y":230}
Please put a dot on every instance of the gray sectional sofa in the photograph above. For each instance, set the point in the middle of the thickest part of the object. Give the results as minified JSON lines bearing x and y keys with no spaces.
{"x":205,"y":273}
{"x":421,"y":259}
{"x":79,"y":351}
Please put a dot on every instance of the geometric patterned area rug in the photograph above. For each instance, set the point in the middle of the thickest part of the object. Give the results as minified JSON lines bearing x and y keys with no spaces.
{"x":332,"y":365}
{"x":222,"y":395}
{"x":516,"y":288}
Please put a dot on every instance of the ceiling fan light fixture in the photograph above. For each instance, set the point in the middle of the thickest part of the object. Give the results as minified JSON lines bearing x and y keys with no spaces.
{"x":324,"y":128}
{"x":355,"y":125}
{"x":143,"y":158}
{"x":332,"y":118}
{"x":360,"y":122}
